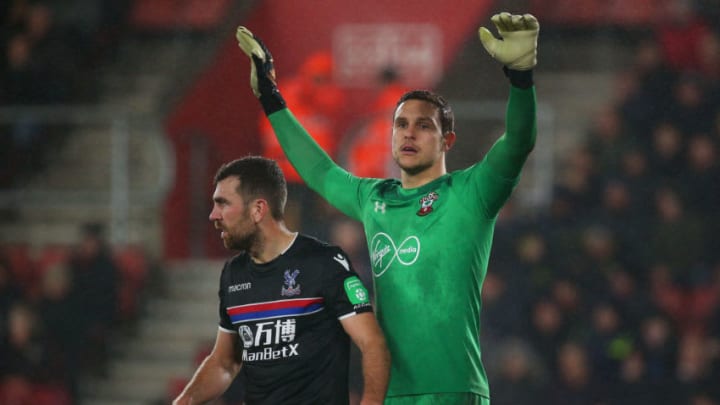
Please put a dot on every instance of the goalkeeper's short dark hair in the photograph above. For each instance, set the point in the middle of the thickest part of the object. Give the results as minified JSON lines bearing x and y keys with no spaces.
{"x":447,"y":117}
{"x":259,"y":177}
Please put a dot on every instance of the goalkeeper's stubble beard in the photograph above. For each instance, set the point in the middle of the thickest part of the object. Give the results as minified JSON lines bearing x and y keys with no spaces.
{"x":412,"y":169}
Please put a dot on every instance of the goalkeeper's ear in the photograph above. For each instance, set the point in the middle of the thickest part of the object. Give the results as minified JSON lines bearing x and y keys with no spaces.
{"x":448,"y":140}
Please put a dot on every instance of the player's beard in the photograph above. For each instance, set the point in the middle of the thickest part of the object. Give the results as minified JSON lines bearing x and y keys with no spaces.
{"x":244,"y":241}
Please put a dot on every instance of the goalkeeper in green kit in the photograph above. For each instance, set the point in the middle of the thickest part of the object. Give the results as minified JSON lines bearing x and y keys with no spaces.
{"x":430,"y":232}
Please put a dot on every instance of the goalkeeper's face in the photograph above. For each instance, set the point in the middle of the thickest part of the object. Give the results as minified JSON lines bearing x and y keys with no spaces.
{"x":418,"y":143}
{"x":231,"y":215}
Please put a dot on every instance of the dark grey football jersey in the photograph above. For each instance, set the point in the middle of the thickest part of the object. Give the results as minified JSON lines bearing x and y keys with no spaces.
{"x":287,"y":316}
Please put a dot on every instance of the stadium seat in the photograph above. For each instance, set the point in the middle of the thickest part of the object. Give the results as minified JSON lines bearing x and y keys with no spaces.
{"x":134,"y":268}
{"x":22,"y":264}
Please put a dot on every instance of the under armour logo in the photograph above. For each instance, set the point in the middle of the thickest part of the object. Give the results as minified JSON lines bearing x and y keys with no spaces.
{"x":380,"y":206}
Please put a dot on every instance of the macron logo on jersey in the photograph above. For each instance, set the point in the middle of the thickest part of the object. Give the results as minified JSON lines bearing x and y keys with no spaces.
{"x":342,"y":260}
{"x":239,"y":287}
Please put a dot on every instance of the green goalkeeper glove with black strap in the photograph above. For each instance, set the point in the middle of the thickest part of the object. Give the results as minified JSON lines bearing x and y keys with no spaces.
{"x":262,"y":71}
{"x":517,"y":46}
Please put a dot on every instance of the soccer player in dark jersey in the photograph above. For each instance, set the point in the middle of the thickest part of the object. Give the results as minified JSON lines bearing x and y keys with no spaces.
{"x":289,"y":304}
{"x":429,"y":233}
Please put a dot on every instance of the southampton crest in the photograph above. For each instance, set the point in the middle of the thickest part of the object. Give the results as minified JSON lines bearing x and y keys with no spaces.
{"x":426,"y":203}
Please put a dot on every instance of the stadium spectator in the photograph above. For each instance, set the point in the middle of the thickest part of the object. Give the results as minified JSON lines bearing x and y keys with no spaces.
{"x":691,"y":106}
{"x":501,"y":308}
{"x":534,"y":267}
{"x":666,"y":157}
{"x":623,"y":216}
{"x":658,"y":344}
{"x":59,"y":317}
{"x":520,"y":376}
{"x":635,"y":173}
{"x":574,"y":380}
{"x":549,"y":328}
{"x":609,"y":342}
{"x":10,"y":292}
{"x":51,"y":61}
{"x":626,"y":292}
{"x":567,"y":294}
{"x":702,"y":176}
{"x":599,"y":255}
{"x":696,"y":368}
{"x":677,"y":235}
{"x":641,"y":90}
{"x":24,"y":353}
{"x":607,"y":140}
{"x":633,"y":387}
{"x":95,"y":282}
{"x":710,"y":58}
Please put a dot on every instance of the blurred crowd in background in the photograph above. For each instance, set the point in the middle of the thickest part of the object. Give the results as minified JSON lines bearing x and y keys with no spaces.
{"x":610,"y":297}
{"x":61,"y":307}
{"x":49,"y":52}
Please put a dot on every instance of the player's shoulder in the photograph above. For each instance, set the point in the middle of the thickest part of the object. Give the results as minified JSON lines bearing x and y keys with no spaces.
{"x":233,"y":268}
{"x":321,"y":250}
{"x":462,"y":177}
{"x":311,"y":245}
{"x":238,"y":261}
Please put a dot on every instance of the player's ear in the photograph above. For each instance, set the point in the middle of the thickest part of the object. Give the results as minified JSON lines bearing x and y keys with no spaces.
{"x":448,"y":140}
{"x":259,"y":209}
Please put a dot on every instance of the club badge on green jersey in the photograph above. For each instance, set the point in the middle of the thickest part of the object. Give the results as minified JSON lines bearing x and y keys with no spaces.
{"x":426,"y":203}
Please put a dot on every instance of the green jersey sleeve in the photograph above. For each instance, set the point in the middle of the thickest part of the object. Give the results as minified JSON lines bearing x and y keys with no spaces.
{"x":496,"y":176}
{"x":340,"y":188}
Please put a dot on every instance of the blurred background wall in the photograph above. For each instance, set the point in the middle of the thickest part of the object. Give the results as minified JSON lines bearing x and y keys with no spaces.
{"x":114,"y":115}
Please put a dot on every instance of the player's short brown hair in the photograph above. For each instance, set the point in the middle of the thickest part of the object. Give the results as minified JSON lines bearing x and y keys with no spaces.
{"x":259,"y":178}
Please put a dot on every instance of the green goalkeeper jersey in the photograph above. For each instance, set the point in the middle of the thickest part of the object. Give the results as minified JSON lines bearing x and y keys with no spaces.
{"x":429,"y":248}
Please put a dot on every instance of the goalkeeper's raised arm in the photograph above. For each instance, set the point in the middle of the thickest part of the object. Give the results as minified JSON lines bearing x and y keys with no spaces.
{"x":516,"y":49}
{"x":311,"y":162}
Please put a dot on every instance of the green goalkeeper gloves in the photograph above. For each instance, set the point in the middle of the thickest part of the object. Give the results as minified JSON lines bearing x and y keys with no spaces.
{"x":262,"y":71}
{"x":517,"y":48}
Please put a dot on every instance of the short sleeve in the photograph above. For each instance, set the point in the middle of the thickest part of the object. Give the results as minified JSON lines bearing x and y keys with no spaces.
{"x":345,"y":294}
{"x":225,"y":322}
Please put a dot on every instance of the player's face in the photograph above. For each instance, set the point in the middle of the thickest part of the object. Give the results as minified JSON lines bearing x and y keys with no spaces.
{"x":417,"y":141}
{"x":231,"y":215}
